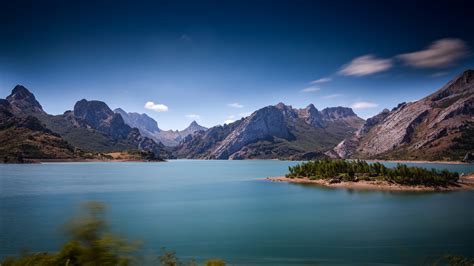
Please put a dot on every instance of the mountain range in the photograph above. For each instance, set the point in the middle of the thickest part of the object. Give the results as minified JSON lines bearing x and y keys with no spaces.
{"x":437,"y":127}
{"x":278,"y":131}
{"x":149,"y":128}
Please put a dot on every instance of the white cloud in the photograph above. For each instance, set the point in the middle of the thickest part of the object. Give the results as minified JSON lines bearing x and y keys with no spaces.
{"x":229,"y":121}
{"x":193,"y":116}
{"x":235,"y":105}
{"x":330,"y":96}
{"x":365,"y":65}
{"x":363,"y":105}
{"x":310,"y":89}
{"x":321,"y":80}
{"x":156,"y":106}
{"x":441,"y":53}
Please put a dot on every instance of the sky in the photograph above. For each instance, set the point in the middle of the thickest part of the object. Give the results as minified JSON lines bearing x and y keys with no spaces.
{"x":216,"y":61}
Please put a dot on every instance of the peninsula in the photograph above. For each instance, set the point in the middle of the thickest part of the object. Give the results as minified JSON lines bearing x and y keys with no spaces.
{"x":358,"y":174}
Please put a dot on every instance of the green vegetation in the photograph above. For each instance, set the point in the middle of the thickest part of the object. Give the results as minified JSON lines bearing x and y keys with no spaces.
{"x":92,"y":244}
{"x":345,"y":170}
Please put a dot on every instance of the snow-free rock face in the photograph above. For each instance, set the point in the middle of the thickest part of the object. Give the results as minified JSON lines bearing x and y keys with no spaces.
{"x":191,"y":129}
{"x":23,"y":102}
{"x":278,"y":131}
{"x":431,"y":128}
{"x":97,"y":115}
{"x":149,"y":127}
{"x":264,"y":124}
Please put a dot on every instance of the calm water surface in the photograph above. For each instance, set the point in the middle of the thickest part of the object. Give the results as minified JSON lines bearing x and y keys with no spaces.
{"x":205,"y":209}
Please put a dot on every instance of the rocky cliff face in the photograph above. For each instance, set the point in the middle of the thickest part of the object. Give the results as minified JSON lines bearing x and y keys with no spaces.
{"x":278,"y":131}
{"x":147,"y":125}
{"x":23,"y":102}
{"x":431,"y":128}
{"x":98,"y":116}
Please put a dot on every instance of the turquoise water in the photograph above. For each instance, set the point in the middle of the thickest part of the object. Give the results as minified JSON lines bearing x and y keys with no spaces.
{"x":205,"y":209}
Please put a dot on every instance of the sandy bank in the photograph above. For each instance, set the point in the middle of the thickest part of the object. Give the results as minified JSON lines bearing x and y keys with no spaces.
{"x":465,"y":183}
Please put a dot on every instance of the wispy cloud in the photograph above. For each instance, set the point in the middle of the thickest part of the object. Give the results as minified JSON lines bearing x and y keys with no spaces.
{"x":229,"y":121}
{"x":156,"y":106}
{"x":331,"y":96}
{"x":193,"y":116}
{"x":441,"y":53}
{"x":235,"y":105}
{"x":363,"y":105}
{"x":310,"y":89}
{"x":321,"y":80}
{"x":439,"y":74}
{"x":365,"y":65}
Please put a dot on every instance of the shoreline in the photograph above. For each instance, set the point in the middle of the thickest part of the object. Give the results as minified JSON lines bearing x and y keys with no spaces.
{"x":41,"y":161}
{"x":413,"y":161}
{"x":465,"y":183}
{"x":83,"y":160}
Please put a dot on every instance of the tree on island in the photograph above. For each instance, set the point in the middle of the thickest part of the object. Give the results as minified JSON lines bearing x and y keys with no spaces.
{"x":354,"y":170}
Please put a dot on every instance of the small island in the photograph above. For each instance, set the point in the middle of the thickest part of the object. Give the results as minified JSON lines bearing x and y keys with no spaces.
{"x":358,"y":174}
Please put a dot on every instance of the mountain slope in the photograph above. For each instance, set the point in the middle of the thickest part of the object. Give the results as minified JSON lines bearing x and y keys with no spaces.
{"x":149,"y":127}
{"x":437,"y":127}
{"x":278,"y":131}
{"x":91,"y":126}
{"x":24,"y":138}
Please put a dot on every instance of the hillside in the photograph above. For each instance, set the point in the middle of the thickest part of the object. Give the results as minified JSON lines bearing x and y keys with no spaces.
{"x":278,"y":131}
{"x":437,"y":127}
{"x":25,"y":139}
{"x":91,"y":126}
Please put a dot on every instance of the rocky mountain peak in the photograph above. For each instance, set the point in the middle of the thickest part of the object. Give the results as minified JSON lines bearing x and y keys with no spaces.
{"x":23,"y":101}
{"x":96,"y":114}
{"x":281,"y":106}
{"x":193,"y":127}
{"x":463,"y":83}
{"x":311,"y":108}
{"x":85,"y":109}
{"x":147,"y":125}
{"x":311,"y":116}
{"x":334,"y":113}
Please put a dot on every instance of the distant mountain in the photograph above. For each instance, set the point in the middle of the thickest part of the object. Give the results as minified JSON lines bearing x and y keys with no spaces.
{"x":437,"y":127}
{"x":24,"y":138}
{"x":278,"y":131}
{"x":149,"y":128}
{"x":191,"y":129}
{"x":147,"y":125}
{"x":92,"y":126}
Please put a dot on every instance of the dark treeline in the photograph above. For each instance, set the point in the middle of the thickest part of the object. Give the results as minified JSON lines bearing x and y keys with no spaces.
{"x":348,"y":170}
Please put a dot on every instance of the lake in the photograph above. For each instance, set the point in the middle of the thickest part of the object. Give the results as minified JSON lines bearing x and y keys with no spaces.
{"x":206,"y":209}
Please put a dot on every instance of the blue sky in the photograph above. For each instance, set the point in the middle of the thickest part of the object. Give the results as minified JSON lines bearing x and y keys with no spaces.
{"x":214,"y":61}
